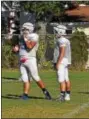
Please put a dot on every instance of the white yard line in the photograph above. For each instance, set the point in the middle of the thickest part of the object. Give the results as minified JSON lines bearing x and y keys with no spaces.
{"x":76,"y":111}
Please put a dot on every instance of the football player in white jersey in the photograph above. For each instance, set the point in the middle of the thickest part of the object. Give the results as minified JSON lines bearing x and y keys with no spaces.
{"x":28,"y":45}
{"x":62,"y":59}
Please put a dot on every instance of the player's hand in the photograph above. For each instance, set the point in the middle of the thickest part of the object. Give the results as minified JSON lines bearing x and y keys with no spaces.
{"x":15,"y":49}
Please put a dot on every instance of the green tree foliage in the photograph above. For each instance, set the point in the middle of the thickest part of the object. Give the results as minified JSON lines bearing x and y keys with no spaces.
{"x":9,"y":59}
{"x":83,"y":2}
{"x":79,"y":47}
{"x":42,"y":8}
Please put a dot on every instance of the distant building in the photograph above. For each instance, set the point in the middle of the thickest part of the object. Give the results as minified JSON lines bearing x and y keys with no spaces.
{"x":80,"y":13}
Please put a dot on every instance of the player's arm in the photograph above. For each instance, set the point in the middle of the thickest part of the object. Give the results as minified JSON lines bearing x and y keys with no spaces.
{"x":61,"y":56}
{"x":30,"y":44}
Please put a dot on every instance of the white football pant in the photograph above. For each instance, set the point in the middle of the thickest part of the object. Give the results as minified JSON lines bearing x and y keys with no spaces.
{"x":29,"y":69}
{"x":62,"y":73}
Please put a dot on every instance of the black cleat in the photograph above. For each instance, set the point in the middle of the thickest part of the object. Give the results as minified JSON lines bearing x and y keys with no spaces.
{"x":61,"y":98}
{"x":47,"y":95}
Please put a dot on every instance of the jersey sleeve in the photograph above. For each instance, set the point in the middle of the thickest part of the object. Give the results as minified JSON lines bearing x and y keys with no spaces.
{"x":62,"y":42}
{"x":34,"y":37}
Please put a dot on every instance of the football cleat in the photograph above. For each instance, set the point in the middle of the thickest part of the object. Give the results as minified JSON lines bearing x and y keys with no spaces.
{"x":47,"y":95}
{"x":24,"y":97}
{"x":67,"y":97}
{"x":61,"y":98}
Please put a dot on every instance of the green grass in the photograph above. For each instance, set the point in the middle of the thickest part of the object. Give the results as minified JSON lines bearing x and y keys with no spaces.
{"x":13,"y":107}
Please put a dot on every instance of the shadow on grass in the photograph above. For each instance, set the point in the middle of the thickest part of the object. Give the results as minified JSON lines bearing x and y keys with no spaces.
{"x":84,"y":93}
{"x":9,"y":78}
{"x":11,"y":96}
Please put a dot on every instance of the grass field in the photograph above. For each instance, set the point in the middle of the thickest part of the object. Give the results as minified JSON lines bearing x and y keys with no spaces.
{"x":37,"y":106}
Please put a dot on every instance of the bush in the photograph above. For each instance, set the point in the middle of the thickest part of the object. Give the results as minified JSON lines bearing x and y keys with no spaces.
{"x":9,"y":59}
{"x":46,"y":65}
{"x":79,"y":48}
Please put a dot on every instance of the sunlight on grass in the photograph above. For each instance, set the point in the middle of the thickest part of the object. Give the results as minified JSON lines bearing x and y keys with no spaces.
{"x":37,"y":106}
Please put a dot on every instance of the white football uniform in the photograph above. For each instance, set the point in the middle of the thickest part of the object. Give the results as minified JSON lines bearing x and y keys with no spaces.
{"x":28,"y":63}
{"x":63,"y":67}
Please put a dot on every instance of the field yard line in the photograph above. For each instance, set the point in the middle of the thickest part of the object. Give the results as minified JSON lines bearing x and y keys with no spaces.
{"x":76,"y":110}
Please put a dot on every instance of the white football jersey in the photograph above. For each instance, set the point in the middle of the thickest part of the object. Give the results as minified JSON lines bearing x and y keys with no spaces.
{"x":24,"y":51}
{"x":62,"y":41}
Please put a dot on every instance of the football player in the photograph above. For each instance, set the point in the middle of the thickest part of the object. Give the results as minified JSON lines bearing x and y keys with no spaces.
{"x":62,"y":60}
{"x":28,"y":45}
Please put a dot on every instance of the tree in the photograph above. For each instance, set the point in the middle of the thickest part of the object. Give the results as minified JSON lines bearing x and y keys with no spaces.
{"x":42,"y":8}
{"x":79,"y":48}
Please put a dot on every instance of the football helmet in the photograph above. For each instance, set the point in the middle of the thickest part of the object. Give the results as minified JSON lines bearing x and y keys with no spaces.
{"x":60,"y":30}
{"x":27,"y":28}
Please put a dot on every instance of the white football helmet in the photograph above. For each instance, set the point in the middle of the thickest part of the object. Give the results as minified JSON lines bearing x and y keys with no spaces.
{"x":60,"y":30}
{"x":27,"y":28}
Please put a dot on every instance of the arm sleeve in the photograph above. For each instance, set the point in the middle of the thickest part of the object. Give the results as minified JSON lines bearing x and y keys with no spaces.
{"x":62,"y":42}
{"x":34,"y":37}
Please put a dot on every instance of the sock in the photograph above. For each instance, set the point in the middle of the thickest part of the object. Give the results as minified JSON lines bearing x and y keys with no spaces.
{"x":45,"y":91}
{"x":25,"y":94}
{"x":68,"y":92}
{"x":63,"y":93}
